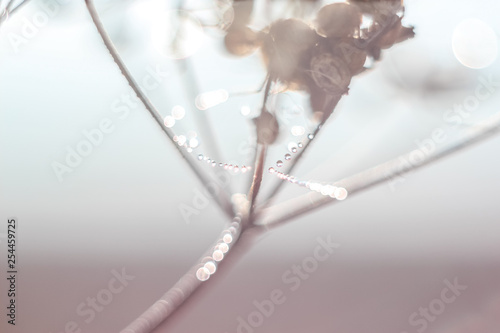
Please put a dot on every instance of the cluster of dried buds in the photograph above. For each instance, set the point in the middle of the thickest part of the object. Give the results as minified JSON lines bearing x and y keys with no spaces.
{"x":323,"y":57}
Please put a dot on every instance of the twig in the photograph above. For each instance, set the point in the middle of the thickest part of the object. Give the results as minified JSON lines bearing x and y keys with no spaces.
{"x":257,"y":178}
{"x":192,"y":88}
{"x":260,"y":155}
{"x":279,"y":214}
{"x":202,"y":121}
{"x":222,"y":199}
{"x":185,"y":287}
{"x":330,"y":105}
{"x":9,"y":10}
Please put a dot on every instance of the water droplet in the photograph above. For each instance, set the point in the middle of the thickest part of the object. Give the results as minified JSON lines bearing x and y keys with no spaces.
{"x":310,"y":136}
{"x":243,"y":169}
{"x":329,"y":190}
{"x":211,"y":267}
{"x":218,"y":255}
{"x":220,"y":164}
{"x":288,"y":157}
{"x":178,"y":112}
{"x":169,"y":121}
{"x":294,"y":150}
{"x":209,"y":161}
{"x":227,"y":238}
{"x":189,"y":149}
{"x":300,"y":145}
{"x":279,"y":163}
{"x":245,"y":110}
{"x":271,"y":170}
{"x":340,"y":193}
{"x":223,"y":247}
{"x":203,"y":274}
{"x":236,"y":169}
{"x":214,"y":163}
{"x":200,"y":157}
{"x":181,"y":140}
{"x":194,"y":142}
{"x":297,"y":130}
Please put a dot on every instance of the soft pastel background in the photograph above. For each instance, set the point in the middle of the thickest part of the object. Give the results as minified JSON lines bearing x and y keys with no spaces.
{"x":120,"y":207}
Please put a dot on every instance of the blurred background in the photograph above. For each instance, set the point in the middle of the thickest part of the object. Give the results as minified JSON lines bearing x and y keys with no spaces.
{"x":133,"y":204}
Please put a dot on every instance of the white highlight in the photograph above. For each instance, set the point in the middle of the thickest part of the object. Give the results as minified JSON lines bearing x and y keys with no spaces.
{"x":475,"y":43}
{"x":210,"y":99}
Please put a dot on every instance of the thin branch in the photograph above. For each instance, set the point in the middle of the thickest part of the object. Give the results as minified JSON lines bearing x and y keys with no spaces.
{"x":191,"y":86}
{"x":257,"y":177}
{"x":328,"y":109}
{"x":221,"y":199}
{"x":187,"y":285}
{"x":330,"y":105}
{"x":204,"y":124}
{"x":8,"y":10}
{"x":260,"y":154}
{"x":10,"y":3}
{"x":284,"y":212}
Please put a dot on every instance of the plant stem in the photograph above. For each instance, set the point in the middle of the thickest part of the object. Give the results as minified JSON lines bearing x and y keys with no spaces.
{"x":222,"y":199}
{"x":248,"y":239}
{"x":257,"y":178}
{"x":9,"y":10}
{"x":191,"y":86}
{"x":202,"y":121}
{"x":330,"y":105}
{"x":187,"y":285}
{"x":260,"y":157}
{"x":284,"y":212}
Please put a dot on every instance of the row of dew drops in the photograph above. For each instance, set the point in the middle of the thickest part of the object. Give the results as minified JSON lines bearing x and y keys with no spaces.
{"x":189,"y":144}
{"x":209,"y":263}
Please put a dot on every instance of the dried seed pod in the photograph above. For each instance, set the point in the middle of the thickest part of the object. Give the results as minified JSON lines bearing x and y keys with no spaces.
{"x":339,"y":20}
{"x":242,"y":41}
{"x":353,"y":56}
{"x":395,"y":35}
{"x":330,"y":73}
{"x":267,"y":127}
{"x":286,"y":45}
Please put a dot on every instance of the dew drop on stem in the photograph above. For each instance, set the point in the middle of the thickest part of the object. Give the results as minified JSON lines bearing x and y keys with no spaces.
{"x":203,"y":274}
